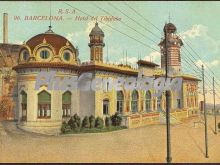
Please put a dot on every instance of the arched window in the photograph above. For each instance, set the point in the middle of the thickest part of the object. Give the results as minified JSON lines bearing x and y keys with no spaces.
{"x":192,"y":102}
{"x":134,"y":101}
{"x":159,"y":108}
{"x":25,"y":55}
{"x":24,"y":106}
{"x":44,"y":105}
{"x":105,"y":107}
{"x":148,"y":101}
{"x":44,"y":54}
{"x":120,"y":101}
{"x":66,"y":56}
{"x":66,"y":104}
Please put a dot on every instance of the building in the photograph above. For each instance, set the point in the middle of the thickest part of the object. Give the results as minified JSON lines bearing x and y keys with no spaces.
{"x":8,"y":59}
{"x":44,"y":110}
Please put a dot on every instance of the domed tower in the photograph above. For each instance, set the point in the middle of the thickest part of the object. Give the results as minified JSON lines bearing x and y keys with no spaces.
{"x":40,"y":106}
{"x":174,"y":44}
{"x":96,"y":44}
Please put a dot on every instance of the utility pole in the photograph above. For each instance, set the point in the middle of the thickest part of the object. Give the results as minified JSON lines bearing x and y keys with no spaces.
{"x":168,"y":158}
{"x":205,"y":115}
{"x":214,"y":103}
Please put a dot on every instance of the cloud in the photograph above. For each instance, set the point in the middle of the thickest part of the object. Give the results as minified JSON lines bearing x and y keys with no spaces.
{"x":19,"y":42}
{"x":200,"y":31}
{"x":213,"y":63}
{"x":153,"y":56}
{"x":130,"y":60}
{"x":197,"y":30}
{"x":73,"y":37}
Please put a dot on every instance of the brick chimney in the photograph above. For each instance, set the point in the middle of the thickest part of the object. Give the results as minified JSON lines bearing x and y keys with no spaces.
{"x":5,"y":28}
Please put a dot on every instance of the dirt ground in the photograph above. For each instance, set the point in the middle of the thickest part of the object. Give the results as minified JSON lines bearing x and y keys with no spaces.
{"x":146,"y":144}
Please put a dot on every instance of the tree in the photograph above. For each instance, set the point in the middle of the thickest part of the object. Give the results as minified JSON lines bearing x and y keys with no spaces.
{"x":74,"y":122}
{"x":65,"y":127}
{"x":99,"y":123}
{"x":85,"y":122}
{"x":91,"y":121}
{"x":116,"y":119}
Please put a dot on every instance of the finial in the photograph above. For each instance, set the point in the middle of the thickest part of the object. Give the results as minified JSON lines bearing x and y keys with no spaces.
{"x":50,"y":27}
{"x":50,"y":17}
{"x":44,"y":41}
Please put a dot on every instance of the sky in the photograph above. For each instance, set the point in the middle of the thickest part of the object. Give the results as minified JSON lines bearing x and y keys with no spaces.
{"x":197,"y":23}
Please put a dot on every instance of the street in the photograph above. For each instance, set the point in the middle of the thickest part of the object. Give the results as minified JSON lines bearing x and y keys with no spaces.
{"x":146,"y":144}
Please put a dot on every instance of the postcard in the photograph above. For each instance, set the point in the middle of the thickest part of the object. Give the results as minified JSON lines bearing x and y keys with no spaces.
{"x":109,"y":82}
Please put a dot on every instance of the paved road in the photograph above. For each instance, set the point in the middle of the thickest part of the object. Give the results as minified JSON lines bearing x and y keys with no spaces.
{"x":146,"y":144}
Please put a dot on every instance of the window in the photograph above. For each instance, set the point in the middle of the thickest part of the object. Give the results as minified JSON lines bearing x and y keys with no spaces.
{"x":44,"y":54}
{"x":44,"y":105}
{"x":24,"y":106}
{"x":66,"y":56}
{"x":66,"y":104}
{"x":105,"y":107}
{"x":134,"y":101}
{"x":191,"y":100}
{"x":178,"y":103}
{"x":120,"y":101}
{"x":159,"y":104}
{"x":25,"y":55}
{"x":148,"y":101}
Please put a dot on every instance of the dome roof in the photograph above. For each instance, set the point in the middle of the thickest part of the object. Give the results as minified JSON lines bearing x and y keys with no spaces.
{"x":96,"y":31}
{"x":171,"y":28}
{"x":55,"y":40}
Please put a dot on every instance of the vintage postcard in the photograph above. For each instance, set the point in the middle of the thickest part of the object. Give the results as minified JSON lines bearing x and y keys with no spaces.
{"x":109,"y":82}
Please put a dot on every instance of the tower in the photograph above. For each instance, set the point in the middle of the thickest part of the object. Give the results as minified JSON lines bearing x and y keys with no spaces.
{"x":96,"y":44}
{"x":174,"y":44}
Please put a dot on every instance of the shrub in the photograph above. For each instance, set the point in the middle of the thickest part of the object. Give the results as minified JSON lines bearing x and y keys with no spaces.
{"x":85,"y":122}
{"x":107,"y":121}
{"x":65,"y":127}
{"x":74,"y":122}
{"x":99,"y":123}
{"x":91,"y":121}
{"x":116,"y":119}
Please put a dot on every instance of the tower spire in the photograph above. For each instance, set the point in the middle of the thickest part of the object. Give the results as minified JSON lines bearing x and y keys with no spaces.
{"x":50,"y":26}
{"x":50,"y":17}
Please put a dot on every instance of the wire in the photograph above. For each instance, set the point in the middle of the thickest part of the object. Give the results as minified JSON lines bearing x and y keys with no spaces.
{"x":114,"y":29}
{"x":126,"y":25}
{"x":142,"y":17}
{"x":133,"y":20}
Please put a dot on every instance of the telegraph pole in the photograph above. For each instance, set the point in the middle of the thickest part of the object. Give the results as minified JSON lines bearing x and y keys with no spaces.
{"x":214,"y":103}
{"x":205,"y":115}
{"x":168,"y":158}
